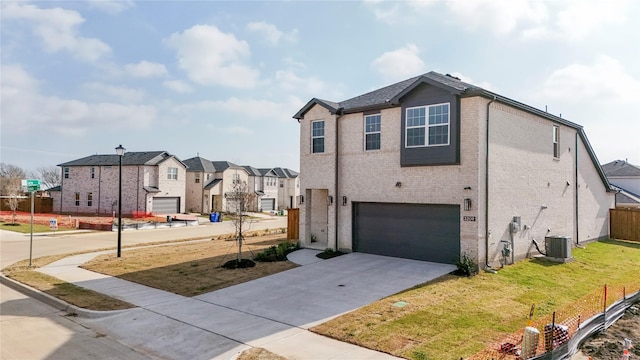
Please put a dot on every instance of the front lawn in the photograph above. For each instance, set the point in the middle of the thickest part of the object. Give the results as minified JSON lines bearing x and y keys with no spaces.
{"x":26,"y":228}
{"x":454,"y":317}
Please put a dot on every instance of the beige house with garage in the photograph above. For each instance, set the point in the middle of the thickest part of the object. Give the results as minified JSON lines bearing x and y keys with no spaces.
{"x":208,"y":181}
{"x":431,"y":168}
{"x":153,"y":182}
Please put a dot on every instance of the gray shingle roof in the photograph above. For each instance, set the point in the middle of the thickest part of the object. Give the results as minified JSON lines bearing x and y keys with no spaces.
{"x":199,"y":164}
{"x":129,"y":158}
{"x":620,"y":168}
{"x":211,"y":183}
{"x":266,"y":171}
{"x":252,"y":171}
{"x":285,"y":173}
{"x":389,"y":95}
{"x":224,"y":165}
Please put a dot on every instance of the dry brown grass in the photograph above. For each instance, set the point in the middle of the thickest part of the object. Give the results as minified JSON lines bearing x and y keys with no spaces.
{"x":259,"y":354}
{"x":62,"y":290}
{"x":190,"y":269}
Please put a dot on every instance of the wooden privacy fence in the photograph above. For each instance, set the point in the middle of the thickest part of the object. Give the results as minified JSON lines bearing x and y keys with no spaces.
{"x":293,"y":224}
{"x":41,"y":205}
{"x":624,"y":224}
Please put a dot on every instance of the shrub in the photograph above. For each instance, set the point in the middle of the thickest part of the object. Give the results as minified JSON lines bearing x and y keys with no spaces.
{"x":466,"y":265}
{"x":276,"y":253}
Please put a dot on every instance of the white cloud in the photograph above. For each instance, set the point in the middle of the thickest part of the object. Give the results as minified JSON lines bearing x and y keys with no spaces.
{"x":271,"y":33}
{"x":500,"y":16}
{"x":57,"y":28}
{"x":212,"y":57}
{"x":25,"y":109}
{"x":289,"y":82}
{"x":603,"y":81}
{"x":146,"y":69}
{"x":573,"y":20}
{"x":120,"y":93}
{"x":399,"y":64}
{"x":111,"y":6}
{"x":483,"y":84}
{"x":177,"y":86}
{"x":247,"y":108}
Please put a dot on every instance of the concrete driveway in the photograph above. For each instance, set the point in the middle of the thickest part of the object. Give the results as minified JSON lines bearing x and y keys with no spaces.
{"x":272,"y":312}
{"x":312,"y":294}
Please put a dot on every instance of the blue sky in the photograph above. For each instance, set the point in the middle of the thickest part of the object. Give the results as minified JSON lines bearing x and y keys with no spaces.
{"x":223,"y":79}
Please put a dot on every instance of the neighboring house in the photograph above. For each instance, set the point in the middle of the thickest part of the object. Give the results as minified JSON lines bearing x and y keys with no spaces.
{"x":208,"y":182}
{"x":432,"y":168}
{"x":626,"y":177}
{"x":152,"y":182}
{"x":255,"y":183}
{"x":288,"y":188}
{"x":269,"y":201}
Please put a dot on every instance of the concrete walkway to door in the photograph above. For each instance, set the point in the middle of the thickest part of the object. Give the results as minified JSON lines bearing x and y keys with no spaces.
{"x":273,"y":312}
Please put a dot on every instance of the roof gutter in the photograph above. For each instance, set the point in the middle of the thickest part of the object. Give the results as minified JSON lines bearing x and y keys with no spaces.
{"x":487,"y":233}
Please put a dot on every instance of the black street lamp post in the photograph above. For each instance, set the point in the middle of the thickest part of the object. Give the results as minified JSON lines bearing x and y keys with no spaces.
{"x":120,"y":151}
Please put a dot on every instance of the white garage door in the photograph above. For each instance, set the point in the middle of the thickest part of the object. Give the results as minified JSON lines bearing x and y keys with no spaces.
{"x":166,"y":205}
{"x":268,"y":204}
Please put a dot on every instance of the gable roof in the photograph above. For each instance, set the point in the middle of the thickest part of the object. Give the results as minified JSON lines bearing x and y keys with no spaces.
{"x":199,"y":164}
{"x":252,"y":171}
{"x":267,"y":172}
{"x":390,"y":96}
{"x":620,"y":168}
{"x":224,"y":165}
{"x":129,"y":158}
{"x":285,"y":173}
{"x":211,"y":183}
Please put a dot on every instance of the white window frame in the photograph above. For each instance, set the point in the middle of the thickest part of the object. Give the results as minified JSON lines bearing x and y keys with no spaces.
{"x":93,"y":172}
{"x":427,"y":126}
{"x":197,"y":178}
{"x":379,"y":131}
{"x":172,"y":173}
{"x":66,"y":173}
{"x":313,"y":137}
{"x":556,"y":141}
{"x":90,"y":199}
{"x":77,"y":199}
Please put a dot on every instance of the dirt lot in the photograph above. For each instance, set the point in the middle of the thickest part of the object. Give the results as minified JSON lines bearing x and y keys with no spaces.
{"x":70,"y":220}
{"x":607,"y":345}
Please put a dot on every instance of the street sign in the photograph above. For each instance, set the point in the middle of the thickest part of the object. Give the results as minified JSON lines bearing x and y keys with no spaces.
{"x":33,"y":185}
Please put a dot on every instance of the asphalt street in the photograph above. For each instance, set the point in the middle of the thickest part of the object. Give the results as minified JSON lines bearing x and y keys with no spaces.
{"x":30,"y":329}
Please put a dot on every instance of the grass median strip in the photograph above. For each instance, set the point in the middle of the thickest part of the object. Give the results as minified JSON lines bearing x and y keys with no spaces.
{"x":62,"y":290}
{"x":455,"y":317}
{"x":190,"y":269}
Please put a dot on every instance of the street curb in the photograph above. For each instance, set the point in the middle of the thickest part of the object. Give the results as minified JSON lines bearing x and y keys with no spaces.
{"x":55,"y":302}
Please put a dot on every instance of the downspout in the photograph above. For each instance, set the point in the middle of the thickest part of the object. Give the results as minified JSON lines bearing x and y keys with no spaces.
{"x":576,"y":191}
{"x":61,"y":190}
{"x":335,"y":193}
{"x":138,"y":193}
{"x":99,"y":188}
{"x":486,"y":192}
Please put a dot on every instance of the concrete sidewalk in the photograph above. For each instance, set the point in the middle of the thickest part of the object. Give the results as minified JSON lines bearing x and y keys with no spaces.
{"x":173,"y":326}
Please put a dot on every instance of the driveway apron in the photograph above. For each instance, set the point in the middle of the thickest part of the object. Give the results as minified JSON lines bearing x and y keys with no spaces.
{"x":271,"y":312}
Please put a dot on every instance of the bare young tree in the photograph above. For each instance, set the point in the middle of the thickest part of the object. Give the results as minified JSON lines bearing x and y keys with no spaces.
{"x":239,"y":199}
{"x":50,"y":176}
{"x":10,"y":185}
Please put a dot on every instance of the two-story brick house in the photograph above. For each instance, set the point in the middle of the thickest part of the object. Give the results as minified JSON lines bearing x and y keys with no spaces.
{"x":208,"y":181}
{"x":431,"y":168}
{"x":152,"y":182}
{"x":288,"y":188}
{"x":269,"y":199}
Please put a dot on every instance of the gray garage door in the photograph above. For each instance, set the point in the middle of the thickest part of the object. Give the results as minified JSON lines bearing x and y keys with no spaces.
{"x":268,"y":204}
{"x":166,"y":205}
{"x":412,"y":231}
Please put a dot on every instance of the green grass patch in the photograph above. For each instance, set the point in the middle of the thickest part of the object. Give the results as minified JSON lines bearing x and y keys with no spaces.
{"x":454,"y":317}
{"x":26,"y":228}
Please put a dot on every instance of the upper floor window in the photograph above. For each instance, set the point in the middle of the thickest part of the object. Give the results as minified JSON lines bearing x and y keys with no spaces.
{"x":93,"y":172}
{"x":317,"y":137}
{"x":372,"y":132}
{"x":427,"y":126}
{"x":556,"y":142}
{"x":89,"y":199}
{"x":172,"y":173}
{"x":236,"y":178}
{"x":197,"y":178}
{"x":66,"y":173}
